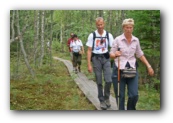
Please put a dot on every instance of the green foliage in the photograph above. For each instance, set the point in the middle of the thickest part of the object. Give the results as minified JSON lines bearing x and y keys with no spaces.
{"x":56,"y":45}
{"x":149,"y":99}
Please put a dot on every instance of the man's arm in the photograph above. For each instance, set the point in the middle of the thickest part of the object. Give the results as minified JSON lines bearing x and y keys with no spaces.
{"x":89,"y":52}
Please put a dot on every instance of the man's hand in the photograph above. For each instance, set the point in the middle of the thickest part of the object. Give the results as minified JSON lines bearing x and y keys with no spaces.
{"x":90,"y":69}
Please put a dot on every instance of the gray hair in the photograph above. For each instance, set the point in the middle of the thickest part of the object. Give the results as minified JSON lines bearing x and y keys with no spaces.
{"x":99,"y":18}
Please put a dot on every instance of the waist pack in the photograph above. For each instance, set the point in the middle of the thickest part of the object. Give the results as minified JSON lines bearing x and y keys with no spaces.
{"x":128,"y":72}
{"x":106,"y":55}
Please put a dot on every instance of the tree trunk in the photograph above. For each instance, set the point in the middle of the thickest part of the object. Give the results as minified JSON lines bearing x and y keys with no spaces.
{"x":22,"y":47}
{"x":42,"y":38}
{"x":61,"y":32}
{"x":100,"y":13}
{"x":51,"y":33}
{"x":36,"y":37}
{"x":12,"y":26}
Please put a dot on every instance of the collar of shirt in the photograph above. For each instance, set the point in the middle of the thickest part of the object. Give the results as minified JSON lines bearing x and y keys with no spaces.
{"x":123,"y":38}
{"x":98,"y":35}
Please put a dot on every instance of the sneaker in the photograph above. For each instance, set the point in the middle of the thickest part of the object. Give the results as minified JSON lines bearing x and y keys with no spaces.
{"x":103,"y":106}
{"x":107,"y":102}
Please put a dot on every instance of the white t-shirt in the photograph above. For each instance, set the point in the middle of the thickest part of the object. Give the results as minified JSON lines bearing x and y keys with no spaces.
{"x":76,"y":45}
{"x":98,"y":47}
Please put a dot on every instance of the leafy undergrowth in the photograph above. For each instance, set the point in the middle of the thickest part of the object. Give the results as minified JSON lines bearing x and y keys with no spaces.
{"x":52,"y":89}
{"x":149,"y":99}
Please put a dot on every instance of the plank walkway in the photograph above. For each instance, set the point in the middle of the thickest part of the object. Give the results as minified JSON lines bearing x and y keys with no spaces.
{"x":88,"y":87}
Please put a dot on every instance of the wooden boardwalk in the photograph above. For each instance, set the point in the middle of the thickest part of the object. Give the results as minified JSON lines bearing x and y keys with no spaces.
{"x":88,"y":87}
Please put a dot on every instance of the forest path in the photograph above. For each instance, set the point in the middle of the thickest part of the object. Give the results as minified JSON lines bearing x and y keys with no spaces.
{"x":88,"y":87}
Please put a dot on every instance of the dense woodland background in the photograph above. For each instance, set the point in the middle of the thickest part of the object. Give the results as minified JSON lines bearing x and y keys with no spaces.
{"x":30,"y":31}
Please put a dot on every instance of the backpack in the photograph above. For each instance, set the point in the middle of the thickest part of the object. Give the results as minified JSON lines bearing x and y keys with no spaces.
{"x":94,"y":36}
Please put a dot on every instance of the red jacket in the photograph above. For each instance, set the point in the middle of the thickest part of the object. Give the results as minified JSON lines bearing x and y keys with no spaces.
{"x":68,"y":43}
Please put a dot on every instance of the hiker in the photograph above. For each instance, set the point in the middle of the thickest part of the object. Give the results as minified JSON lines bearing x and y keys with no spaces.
{"x":77,"y":50}
{"x":129,"y":47}
{"x":68,"y":45}
{"x":98,"y":53}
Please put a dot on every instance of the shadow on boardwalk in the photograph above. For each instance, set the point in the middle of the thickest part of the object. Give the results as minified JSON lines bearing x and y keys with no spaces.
{"x":88,"y":87}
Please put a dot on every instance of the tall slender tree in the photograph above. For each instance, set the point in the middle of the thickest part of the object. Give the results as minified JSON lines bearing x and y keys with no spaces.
{"x":42,"y":37}
{"x":22,"y":46}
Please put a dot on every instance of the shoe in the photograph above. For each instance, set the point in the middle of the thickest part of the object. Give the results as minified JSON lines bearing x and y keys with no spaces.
{"x":103,"y":106}
{"x":76,"y":71}
{"x":107,"y":102}
{"x":79,"y":69}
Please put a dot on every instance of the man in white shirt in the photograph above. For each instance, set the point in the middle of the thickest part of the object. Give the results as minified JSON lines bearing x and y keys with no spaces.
{"x":98,"y":53}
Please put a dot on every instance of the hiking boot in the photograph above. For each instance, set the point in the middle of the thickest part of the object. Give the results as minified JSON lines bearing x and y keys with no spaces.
{"x":107,"y":102}
{"x":76,"y":71}
{"x":79,"y":69}
{"x":103,"y":106}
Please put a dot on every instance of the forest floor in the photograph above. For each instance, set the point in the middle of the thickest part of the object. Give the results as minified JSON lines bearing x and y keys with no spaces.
{"x":51,"y":89}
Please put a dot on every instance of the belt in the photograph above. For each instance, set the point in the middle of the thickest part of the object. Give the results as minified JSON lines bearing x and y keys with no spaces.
{"x":99,"y":54}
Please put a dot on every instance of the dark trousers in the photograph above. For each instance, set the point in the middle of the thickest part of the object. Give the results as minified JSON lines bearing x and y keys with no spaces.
{"x":132,"y":88}
{"x":77,"y":59}
{"x":101,"y":65}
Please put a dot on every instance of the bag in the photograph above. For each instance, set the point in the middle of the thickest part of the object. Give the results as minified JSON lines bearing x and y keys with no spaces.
{"x":128,"y":72}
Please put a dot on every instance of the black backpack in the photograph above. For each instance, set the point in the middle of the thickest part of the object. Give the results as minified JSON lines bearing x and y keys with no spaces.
{"x":94,"y":36}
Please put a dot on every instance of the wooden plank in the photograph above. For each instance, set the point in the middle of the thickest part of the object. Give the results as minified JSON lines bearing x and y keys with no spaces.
{"x":89,"y":94}
{"x":92,"y":86}
{"x":88,"y":87}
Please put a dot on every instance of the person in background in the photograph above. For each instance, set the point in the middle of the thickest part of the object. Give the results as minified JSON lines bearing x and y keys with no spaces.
{"x":77,"y":50}
{"x":99,"y":55}
{"x":68,"y":45}
{"x":127,"y":48}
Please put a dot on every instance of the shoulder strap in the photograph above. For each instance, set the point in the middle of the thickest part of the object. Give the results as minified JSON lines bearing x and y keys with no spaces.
{"x":94,"y":36}
{"x":107,"y":36}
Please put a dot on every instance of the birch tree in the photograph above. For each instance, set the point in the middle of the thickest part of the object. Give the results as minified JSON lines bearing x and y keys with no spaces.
{"x":42,"y":37}
{"x":22,"y":47}
{"x":51,"y":33}
{"x":36,"y":37}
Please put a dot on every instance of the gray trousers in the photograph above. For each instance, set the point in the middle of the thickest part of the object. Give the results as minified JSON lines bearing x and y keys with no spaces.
{"x":101,"y":65}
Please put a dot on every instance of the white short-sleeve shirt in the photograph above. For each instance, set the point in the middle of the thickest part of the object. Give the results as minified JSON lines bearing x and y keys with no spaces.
{"x":76,"y":45}
{"x":99,"y":48}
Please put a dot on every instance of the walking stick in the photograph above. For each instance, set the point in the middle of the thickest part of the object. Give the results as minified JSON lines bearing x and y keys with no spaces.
{"x":118,"y":79}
